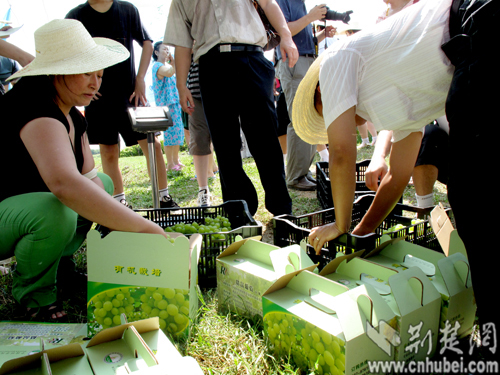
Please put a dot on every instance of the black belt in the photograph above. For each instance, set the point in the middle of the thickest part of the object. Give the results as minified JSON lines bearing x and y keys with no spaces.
{"x":309,"y":55}
{"x":239,"y":48}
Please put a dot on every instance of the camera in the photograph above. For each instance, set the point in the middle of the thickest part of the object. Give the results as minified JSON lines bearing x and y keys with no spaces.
{"x":332,"y":15}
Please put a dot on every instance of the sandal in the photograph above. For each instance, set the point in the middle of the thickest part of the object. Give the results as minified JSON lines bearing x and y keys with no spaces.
{"x":175,"y":168}
{"x":50,"y":312}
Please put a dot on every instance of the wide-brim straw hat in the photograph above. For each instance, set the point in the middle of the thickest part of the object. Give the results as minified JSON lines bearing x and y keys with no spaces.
{"x":65,"y":47}
{"x":307,"y":122}
{"x":353,"y":25}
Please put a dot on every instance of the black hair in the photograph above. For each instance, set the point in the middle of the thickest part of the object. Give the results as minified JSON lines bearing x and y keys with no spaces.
{"x":156,"y":48}
{"x":43,"y":83}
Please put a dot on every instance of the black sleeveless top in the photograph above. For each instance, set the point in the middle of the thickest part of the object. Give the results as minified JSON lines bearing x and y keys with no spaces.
{"x":29,"y":99}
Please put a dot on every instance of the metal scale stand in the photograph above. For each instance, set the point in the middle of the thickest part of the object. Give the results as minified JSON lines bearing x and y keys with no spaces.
{"x":150,"y":120}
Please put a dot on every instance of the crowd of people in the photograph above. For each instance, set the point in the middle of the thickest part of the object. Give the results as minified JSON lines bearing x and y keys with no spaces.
{"x":399,"y":78}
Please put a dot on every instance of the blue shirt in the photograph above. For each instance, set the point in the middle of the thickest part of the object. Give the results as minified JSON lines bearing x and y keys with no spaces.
{"x":294,"y":10}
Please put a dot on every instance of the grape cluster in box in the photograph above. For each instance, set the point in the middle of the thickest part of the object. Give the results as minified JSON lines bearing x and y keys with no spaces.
{"x":323,"y":326}
{"x":289,"y":230}
{"x":142,"y":275}
{"x":218,"y":225}
{"x":409,"y":293}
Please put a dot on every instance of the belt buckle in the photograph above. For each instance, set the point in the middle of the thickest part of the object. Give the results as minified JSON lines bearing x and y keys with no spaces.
{"x":225,"y":48}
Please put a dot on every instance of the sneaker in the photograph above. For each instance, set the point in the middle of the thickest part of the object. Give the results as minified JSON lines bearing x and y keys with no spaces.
{"x":125,"y":203}
{"x":203,"y":198}
{"x":363,"y":145}
{"x":167,"y":202}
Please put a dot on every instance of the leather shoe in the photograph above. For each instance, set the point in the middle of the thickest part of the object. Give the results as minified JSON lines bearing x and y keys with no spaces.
{"x":310,"y":178}
{"x":303,"y":184}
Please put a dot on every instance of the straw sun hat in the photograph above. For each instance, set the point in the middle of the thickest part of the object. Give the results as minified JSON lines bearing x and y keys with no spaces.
{"x":307,"y":122}
{"x":65,"y":47}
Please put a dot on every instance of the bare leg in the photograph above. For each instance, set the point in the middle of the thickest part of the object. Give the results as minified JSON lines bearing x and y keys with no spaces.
{"x":109,"y":158}
{"x":212,"y":165}
{"x":187,"y":136}
{"x":424,"y":177}
{"x":169,"y":153}
{"x":371,"y":129}
{"x":282,"y":139}
{"x":201,"y":167}
{"x":363,"y":131}
{"x":160,"y":162}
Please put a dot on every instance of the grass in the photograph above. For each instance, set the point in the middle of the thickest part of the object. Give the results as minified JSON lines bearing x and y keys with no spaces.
{"x":221,"y":343}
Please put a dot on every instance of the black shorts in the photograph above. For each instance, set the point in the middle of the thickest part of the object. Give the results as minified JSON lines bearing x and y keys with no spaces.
{"x":434,"y":151}
{"x":104,"y":127}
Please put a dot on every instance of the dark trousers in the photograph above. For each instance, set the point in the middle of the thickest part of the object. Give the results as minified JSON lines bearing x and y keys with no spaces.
{"x":237,"y":90}
{"x":470,"y":109}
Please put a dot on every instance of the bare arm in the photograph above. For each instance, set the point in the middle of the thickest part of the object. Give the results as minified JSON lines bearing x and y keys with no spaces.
{"x":402,"y":160}
{"x":343,"y":152}
{"x":88,"y":161}
{"x":12,"y":52}
{"x":378,"y":167}
{"x":275,"y":16}
{"x":327,"y":32}
{"x":182,"y":64}
{"x":140,"y":84}
{"x":167,"y":70}
{"x":47,"y":142}
{"x":315,"y":14}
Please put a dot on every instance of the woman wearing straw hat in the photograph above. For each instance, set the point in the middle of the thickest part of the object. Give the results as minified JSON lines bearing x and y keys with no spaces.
{"x":51,"y":192}
{"x":393,"y":74}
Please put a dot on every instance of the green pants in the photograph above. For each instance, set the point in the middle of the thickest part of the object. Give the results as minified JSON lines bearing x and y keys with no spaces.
{"x":38,"y":230}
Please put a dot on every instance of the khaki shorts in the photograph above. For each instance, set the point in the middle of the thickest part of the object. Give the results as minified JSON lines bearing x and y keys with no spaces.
{"x":200,"y":140}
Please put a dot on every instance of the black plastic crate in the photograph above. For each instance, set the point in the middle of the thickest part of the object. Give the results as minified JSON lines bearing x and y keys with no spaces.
{"x":242,"y":224}
{"x":324,"y":189}
{"x":289,"y":230}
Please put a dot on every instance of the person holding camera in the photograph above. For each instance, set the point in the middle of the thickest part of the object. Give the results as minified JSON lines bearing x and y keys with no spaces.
{"x":300,"y":154}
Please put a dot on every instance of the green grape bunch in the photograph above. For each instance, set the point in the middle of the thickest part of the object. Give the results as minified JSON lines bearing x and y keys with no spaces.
{"x":310,"y":347}
{"x":401,"y":226}
{"x":216,"y":227}
{"x":171,"y":306}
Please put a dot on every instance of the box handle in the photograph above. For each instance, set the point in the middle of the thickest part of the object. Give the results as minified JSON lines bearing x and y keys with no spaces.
{"x":467,"y":276}
{"x":418,"y":287}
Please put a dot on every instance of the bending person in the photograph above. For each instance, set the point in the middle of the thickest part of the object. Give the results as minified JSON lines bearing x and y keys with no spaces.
{"x":394,"y":75}
{"x":46,"y":211}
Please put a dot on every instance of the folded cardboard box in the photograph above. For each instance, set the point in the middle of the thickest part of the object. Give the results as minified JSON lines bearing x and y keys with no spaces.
{"x":138,"y":347}
{"x":65,"y":360}
{"x":410,"y":295}
{"x":142,"y":276}
{"x":326,"y":327}
{"x":449,"y":274}
{"x":247,"y":268}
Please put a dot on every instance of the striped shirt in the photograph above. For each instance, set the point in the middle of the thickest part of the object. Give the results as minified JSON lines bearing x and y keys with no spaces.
{"x":193,"y":80}
{"x":394,"y":72}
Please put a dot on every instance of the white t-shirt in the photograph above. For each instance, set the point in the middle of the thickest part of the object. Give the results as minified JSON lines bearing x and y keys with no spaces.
{"x":394,"y":72}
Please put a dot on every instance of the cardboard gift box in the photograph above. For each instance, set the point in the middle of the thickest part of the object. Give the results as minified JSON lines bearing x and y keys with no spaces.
{"x":326,"y":327}
{"x":449,"y":274}
{"x":138,"y":347}
{"x":142,"y":276}
{"x":247,"y":268}
{"x":409,"y":293}
{"x":65,"y":360}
